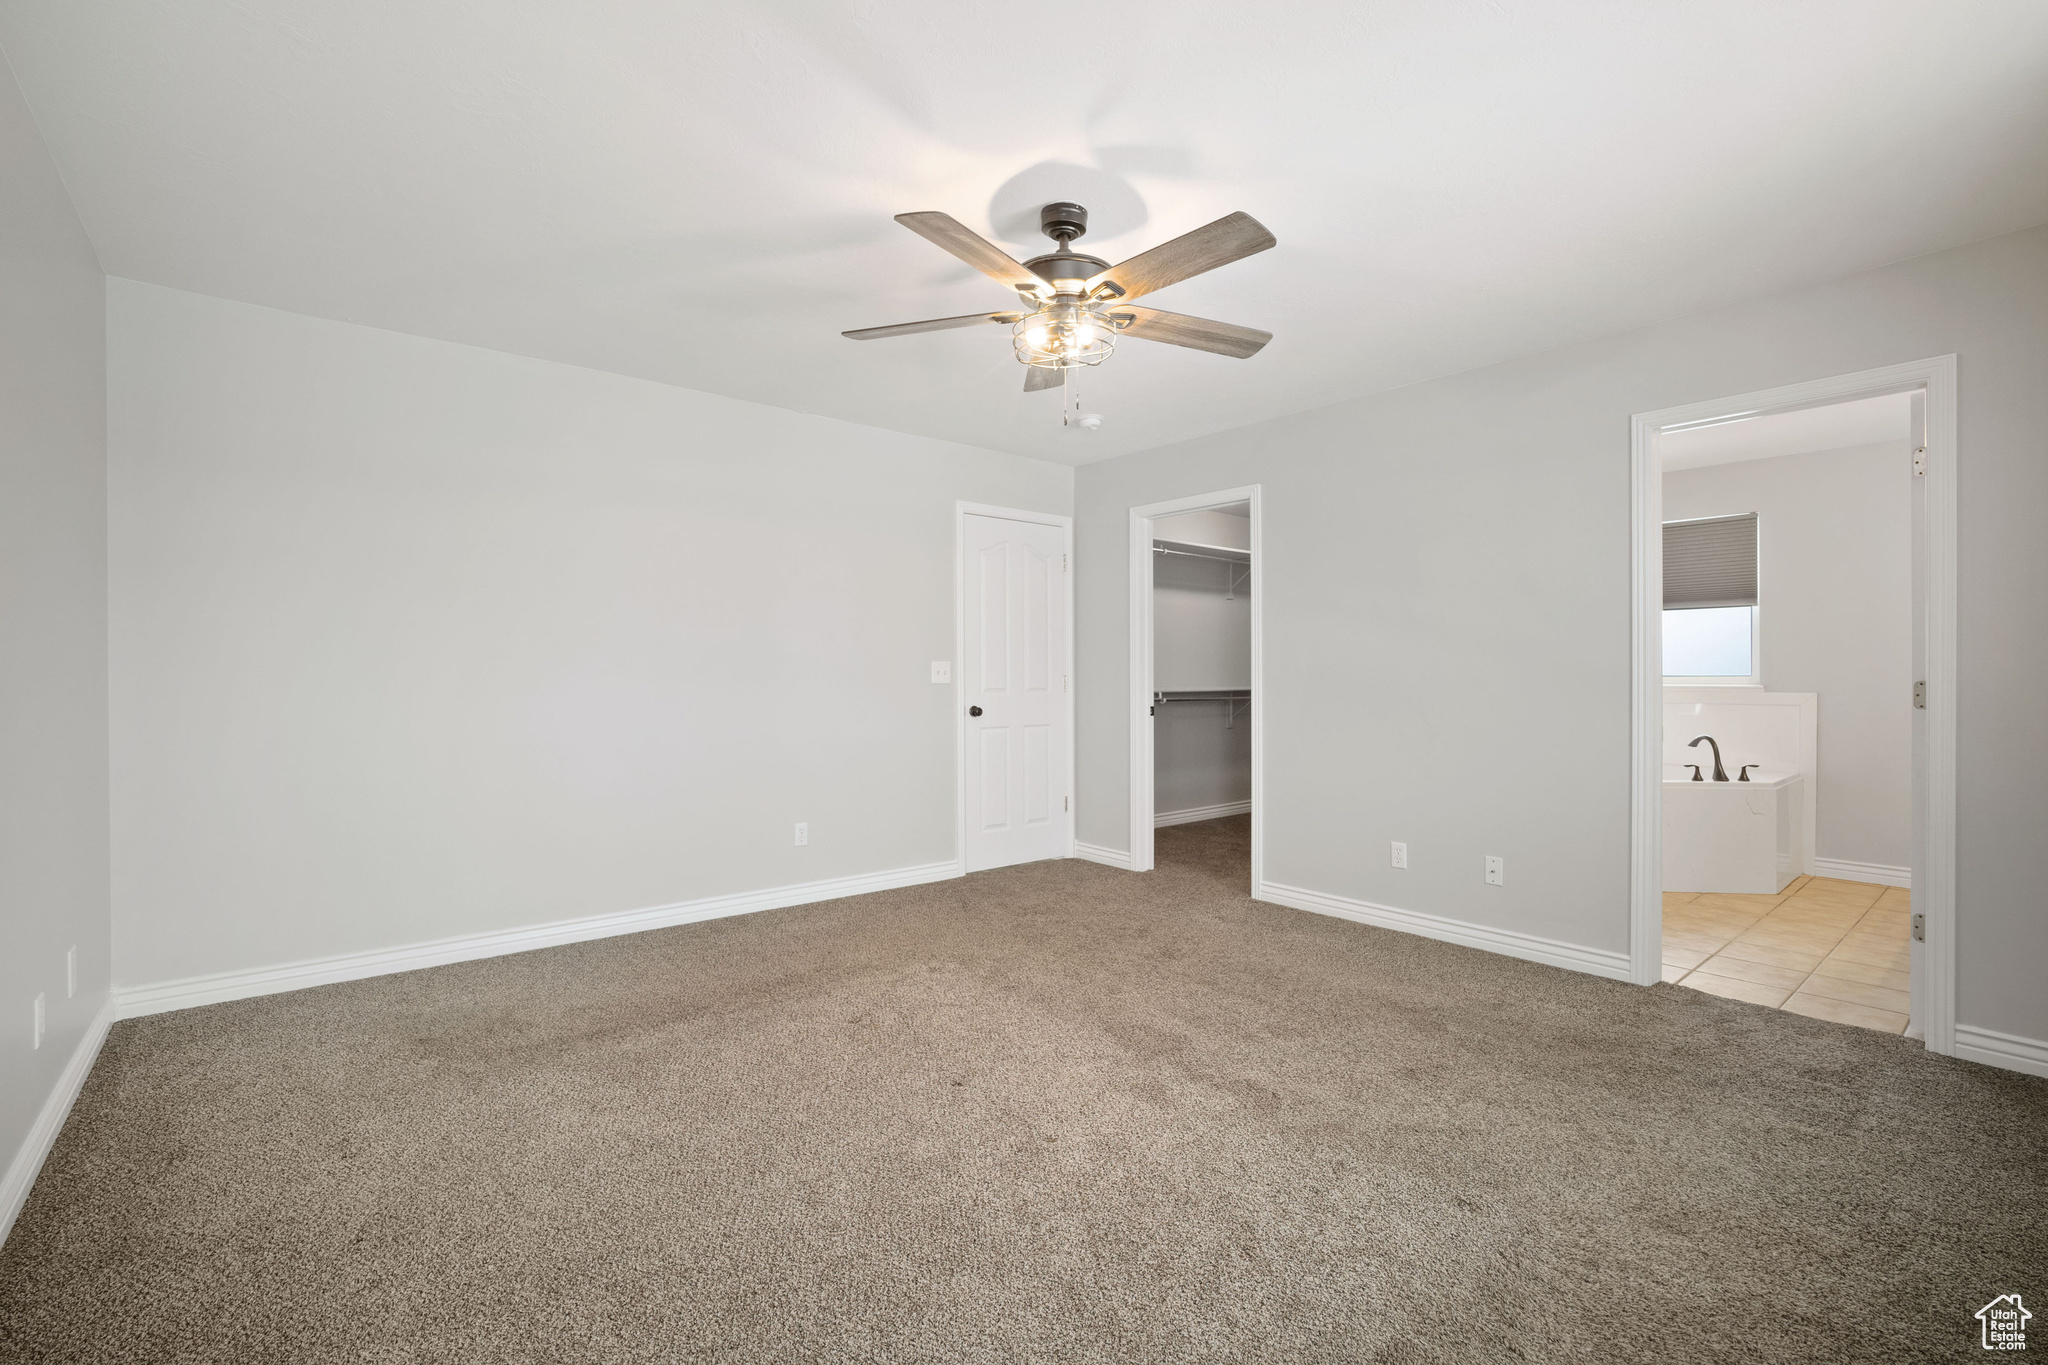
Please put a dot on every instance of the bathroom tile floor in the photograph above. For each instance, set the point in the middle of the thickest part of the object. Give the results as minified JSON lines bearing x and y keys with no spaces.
{"x":1831,"y":949}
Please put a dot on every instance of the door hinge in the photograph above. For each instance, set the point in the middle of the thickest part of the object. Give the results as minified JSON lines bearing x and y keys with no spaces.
{"x":1066,"y":803}
{"x":1920,"y":459}
{"x":1063,"y":682}
{"x":1920,"y":696}
{"x":1063,"y":563}
{"x":1919,"y":927}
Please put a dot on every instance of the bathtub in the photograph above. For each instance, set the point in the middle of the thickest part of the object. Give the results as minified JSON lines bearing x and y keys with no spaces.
{"x":1746,"y":837}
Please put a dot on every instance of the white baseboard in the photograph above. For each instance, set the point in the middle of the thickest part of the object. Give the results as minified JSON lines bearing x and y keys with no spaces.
{"x":35,"y":1148}
{"x":1194,"y":813}
{"x":130,"y":1001}
{"x":1570,"y":956}
{"x":1884,"y":874}
{"x":2006,"y":1050}
{"x":1109,"y":857}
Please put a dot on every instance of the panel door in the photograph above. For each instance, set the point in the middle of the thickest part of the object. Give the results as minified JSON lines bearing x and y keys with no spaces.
{"x":1015,"y":673}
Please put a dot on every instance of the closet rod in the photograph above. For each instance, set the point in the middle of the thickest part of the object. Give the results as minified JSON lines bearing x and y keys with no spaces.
{"x":1191,"y":554}
{"x":1232,"y":697}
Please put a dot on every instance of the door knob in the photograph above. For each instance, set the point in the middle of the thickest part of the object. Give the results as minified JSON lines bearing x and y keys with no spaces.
{"x":974,"y":710}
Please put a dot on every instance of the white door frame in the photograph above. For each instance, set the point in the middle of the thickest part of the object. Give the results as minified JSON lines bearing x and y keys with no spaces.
{"x":962,"y":511}
{"x":1141,"y":669}
{"x":1934,"y":873}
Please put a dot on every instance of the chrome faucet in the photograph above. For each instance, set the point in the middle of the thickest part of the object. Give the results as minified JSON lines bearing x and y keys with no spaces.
{"x":1720,"y":773}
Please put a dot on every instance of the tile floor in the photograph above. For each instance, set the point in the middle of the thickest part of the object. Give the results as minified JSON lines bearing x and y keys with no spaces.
{"x":1831,"y":949}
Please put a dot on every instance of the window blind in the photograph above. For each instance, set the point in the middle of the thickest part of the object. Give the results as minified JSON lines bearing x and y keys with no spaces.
{"x":1710,"y":563}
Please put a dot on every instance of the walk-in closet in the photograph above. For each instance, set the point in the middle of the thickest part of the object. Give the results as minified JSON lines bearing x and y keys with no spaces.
{"x":1202,"y":664}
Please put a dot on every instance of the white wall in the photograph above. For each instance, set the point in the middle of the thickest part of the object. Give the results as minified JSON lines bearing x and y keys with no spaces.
{"x":1446,"y":573}
{"x":1232,"y":530}
{"x":1835,"y":574}
{"x":1201,"y":640}
{"x":1201,"y":637}
{"x":53,"y":639}
{"x":413,"y":640}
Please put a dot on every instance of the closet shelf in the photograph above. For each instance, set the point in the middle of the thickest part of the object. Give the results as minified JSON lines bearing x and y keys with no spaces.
{"x":1237,"y":700}
{"x":1200,"y":551}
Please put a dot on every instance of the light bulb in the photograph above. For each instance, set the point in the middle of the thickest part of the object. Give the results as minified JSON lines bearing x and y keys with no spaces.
{"x":1038,"y":336}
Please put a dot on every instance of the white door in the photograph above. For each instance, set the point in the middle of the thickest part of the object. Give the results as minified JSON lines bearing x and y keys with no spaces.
{"x":1014,"y":690}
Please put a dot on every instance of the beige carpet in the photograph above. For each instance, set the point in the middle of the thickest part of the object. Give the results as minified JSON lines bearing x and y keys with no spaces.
{"x":1055,"y":1112}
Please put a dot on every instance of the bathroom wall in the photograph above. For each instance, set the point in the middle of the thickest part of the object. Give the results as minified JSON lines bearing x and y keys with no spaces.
{"x":1834,"y":546}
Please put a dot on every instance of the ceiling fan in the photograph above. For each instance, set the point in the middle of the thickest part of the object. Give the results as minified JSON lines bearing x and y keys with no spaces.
{"x":1077,"y":306}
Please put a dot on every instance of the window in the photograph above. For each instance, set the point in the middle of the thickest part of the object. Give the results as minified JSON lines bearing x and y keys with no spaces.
{"x":1710,"y":642}
{"x":1710,"y":600}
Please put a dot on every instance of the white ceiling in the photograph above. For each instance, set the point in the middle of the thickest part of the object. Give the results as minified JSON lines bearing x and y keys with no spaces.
{"x":701,"y":193}
{"x":1866,"y":421}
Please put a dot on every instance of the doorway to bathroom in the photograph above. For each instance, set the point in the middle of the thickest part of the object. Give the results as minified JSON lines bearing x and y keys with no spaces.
{"x":1794,"y":815}
{"x":1195,"y":662}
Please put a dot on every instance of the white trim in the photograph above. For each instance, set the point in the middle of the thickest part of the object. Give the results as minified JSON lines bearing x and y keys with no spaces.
{"x":1191,"y":814}
{"x":42,"y":1134}
{"x":1935,"y":895}
{"x":2007,"y":1050}
{"x":1142,"y":759}
{"x":1570,"y":956}
{"x":1142,"y":816}
{"x":962,"y":511}
{"x":131,"y":1001}
{"x":1108,"y":857}
{"x":1883,"y":874}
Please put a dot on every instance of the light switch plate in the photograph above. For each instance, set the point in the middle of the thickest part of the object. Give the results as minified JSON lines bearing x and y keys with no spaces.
{"x":942,"y":670}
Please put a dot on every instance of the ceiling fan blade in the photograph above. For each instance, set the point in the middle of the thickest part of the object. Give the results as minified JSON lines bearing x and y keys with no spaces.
{"x":904,"y":329}
{"x":1200,"y":334}
{"x":1230,"y":238}
{"x":944,"y":230}
{"x":1038,"y":377}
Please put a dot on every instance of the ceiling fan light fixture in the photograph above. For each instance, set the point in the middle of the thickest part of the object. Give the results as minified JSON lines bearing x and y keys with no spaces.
{"x":1063,"y":335}
{"x":1077,"y":305}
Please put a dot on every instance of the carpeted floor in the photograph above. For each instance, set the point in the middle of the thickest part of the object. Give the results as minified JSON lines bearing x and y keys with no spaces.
{"x":1055,"y":1112}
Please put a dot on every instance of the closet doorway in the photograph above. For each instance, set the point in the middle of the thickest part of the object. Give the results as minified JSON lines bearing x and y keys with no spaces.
{"x":1196,"y":731}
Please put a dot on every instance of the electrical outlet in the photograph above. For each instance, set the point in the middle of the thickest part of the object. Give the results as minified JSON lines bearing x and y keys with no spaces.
{"x":942,"y":670}
{"x":1496,"y":871}
{"x":71,"y":971}
{"x":803,"y":833}
{"x":39,"y":1019}
{"x":1400,"y":854}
